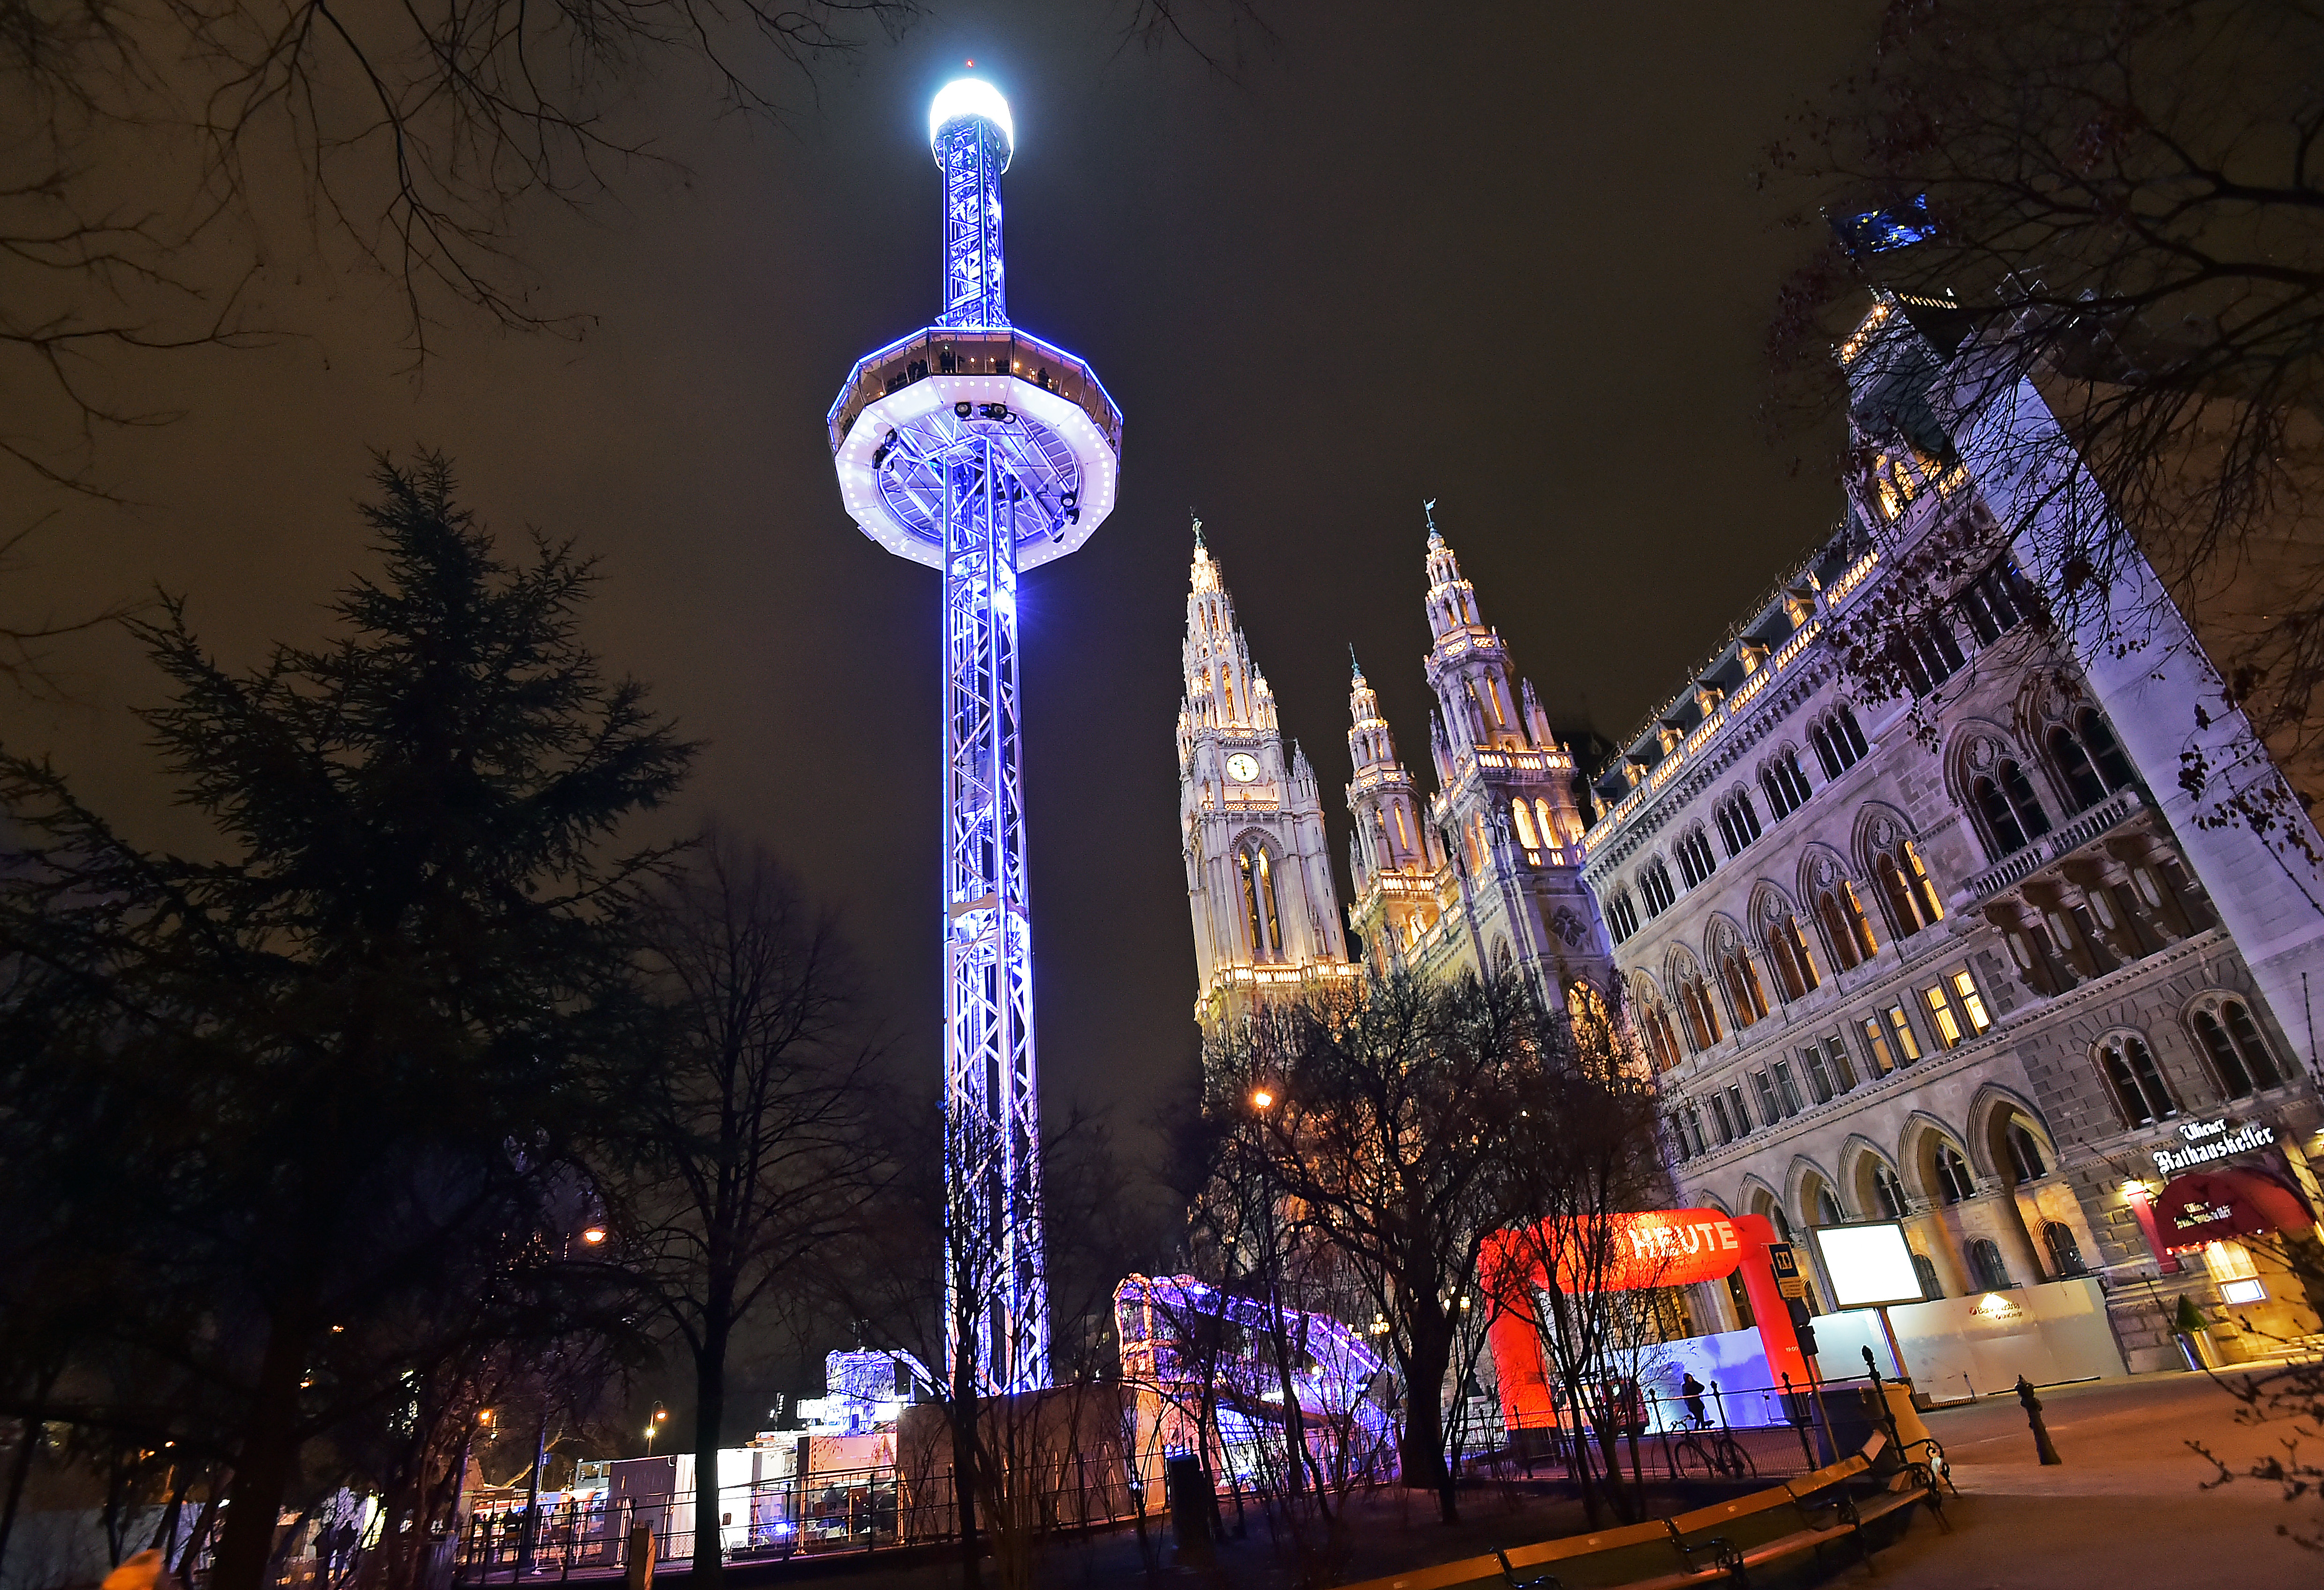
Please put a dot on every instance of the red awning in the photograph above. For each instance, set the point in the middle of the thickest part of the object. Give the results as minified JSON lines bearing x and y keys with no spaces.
{"x":2206,"y":1205}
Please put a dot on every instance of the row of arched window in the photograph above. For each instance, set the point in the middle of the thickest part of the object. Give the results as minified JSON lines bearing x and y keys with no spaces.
{"x":1837,"y":931}
{"x":1839,"y":744}
{"x":2227,"y":1038}
{"x":2088,"y":763}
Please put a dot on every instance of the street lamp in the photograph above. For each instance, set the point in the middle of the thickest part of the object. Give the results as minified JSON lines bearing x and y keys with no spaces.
{"x":654,"y":1429}
{"x":1261,"y":1099}
{"x":594,"y":1235}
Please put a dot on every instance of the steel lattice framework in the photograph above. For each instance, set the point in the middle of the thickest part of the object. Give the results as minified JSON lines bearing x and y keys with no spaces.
{"x":981,"y":450}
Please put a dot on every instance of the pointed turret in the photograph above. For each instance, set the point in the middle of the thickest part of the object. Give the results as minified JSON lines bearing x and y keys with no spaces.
{"x":1258,"y":877}
{"x":1390,"y":838}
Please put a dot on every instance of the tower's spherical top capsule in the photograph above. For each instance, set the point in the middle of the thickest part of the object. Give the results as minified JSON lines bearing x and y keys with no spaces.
{"x":971,"y":97}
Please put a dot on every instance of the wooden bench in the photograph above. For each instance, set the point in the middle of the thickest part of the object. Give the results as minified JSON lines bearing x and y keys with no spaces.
{"x":1720,"y":1544}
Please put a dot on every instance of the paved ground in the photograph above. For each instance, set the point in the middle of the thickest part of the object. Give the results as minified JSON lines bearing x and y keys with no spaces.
{"x":2126,"y":1508}
{"x":2124,"y":1511}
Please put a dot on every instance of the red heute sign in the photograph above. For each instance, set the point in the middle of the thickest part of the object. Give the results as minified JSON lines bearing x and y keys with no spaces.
{"x":1623,"y":1253}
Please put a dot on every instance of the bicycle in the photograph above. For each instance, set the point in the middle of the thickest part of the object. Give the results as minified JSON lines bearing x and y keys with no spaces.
{"x":1707,"y":1452}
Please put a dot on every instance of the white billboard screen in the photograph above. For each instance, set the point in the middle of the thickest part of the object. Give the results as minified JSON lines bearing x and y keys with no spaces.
{"x":1870,"y":1264}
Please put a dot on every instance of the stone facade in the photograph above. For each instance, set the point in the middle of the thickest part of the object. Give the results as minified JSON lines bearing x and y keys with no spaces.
{"x":1963,"y":957}
{"x":1484,"y":873}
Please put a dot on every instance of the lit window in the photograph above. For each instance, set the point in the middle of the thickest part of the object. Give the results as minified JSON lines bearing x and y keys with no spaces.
{"x":1876,"y":1045}
{"x":1908,"y":1047}
{"x":1523,"y":812}
{"x":1942,"y":1015}
{"x":1787,"y":948}
{"x":1259,"y":902}
{"x":1972,"y":1003}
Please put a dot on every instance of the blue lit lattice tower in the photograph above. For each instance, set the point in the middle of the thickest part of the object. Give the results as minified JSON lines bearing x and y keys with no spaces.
{"x":982,"y":452}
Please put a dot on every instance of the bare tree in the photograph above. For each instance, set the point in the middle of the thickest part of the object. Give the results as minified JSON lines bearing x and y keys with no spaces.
{"x":1390,"y":1132}
{"x":1587,"y":1155}
{"x":2121,"y":201}
{"x":755,"y":1124}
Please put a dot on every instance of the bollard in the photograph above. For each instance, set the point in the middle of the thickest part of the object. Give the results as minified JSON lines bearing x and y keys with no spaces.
{"x":2042,"y":1446}
{"x":639,"y":1571}
{"x":1191,"y":1502}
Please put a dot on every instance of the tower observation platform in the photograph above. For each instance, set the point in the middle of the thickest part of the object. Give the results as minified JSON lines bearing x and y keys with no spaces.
{"x":981,"y":451}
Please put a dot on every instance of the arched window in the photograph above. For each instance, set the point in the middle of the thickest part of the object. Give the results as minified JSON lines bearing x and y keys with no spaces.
{"x":1906,"y":889}
{"x":1827,"y":1207}
{"x":2237,"y":1053}
{"x":1986,"y":1268}
{"x":1787,"y":951}
{"x":1660,"y":1038}
{"x":1621,"y":915}
{"x":2082,"y":779}
{"x":1745,"y":994}
{"x":1696,"y":1008}
{"x":2105,"y":750}
{"x":1522,"y":810}
{"x":1585,"y":1008}
{"x":1845,"y":926}
{"x":2002,"y":835}
{"x":1694,"y":859}
{"x":1655,"y":887}
{"x":1259,"y":901}
{"x":1925,"y":1270}
{"x":1738,"y":823}
{"x":1839,"y":743}
{"x":1954,"y":1182}
{"x":1787,"y":786}
{"x":2024,"y":1153}
{"x":2065,"y":1253}
{"x":2139,"y":1095}
{"x":1890,"y":1192}
{"x":1548,"y":825}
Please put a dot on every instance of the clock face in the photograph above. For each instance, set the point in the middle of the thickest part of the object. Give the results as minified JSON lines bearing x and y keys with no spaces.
{"x":1242,"y":767}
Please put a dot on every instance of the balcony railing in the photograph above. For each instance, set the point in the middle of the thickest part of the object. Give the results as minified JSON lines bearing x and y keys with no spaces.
{"x":2020,"y":864}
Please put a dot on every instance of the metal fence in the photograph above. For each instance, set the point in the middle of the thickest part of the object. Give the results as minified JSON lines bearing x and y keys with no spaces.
{"x":1724,"y":1434}
{"x":856,"y":1511}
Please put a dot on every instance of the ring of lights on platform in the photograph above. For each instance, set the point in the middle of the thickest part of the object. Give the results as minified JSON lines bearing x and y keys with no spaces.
{"x":1054,"y":429}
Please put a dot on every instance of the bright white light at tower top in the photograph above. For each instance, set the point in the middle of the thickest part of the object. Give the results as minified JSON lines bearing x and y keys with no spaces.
{"x":970,"y":96}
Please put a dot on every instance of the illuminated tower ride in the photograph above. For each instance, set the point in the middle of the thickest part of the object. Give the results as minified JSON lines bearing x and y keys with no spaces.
{"x":981,"y":451}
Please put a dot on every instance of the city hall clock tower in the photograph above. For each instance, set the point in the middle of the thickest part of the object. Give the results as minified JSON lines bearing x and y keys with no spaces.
{"x":1266,"y":915}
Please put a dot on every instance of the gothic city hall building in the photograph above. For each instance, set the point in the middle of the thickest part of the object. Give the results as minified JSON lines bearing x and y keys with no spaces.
{"x":1940,"y":937}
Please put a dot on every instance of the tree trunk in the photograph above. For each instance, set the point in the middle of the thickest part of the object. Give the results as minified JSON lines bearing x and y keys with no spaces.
{"x":262,"y":1471}
{"x":964,"y":1473}
{"x":1420,"y":1453}
{"x":22,"y":1469}
{"x":709,"y":1425}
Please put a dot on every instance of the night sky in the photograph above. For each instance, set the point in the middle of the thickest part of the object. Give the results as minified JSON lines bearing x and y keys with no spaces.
{"x":1510,"y":258}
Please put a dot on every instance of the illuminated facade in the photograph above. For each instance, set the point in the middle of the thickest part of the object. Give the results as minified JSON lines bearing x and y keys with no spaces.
{"x":1259,"y":876}
{"x":1483,"y":876}
{"x":982,"y":452}
{"x":1968,"y":959}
